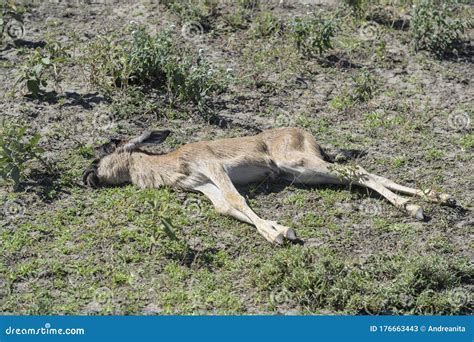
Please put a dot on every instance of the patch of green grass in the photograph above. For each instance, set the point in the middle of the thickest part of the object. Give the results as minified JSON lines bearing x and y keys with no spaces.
{"x":399,"y":161}
{"x":41,"y":66}
{"x":436,"y":27}
{"x":197,"y":11}
{"x":266,"y":24}
{"x":318,"y":279}
{"x":17,"y":150}
{"x":434,"y":154}
{"x":364,"y":87}
{"x":112,"y":251}
{"x":299,"y":199}
{"x":150,"y":62}
{"x":313,"y":34}
{"x":374,"y":119}
{"x":467,"y":141}
{"x":342,"y":101}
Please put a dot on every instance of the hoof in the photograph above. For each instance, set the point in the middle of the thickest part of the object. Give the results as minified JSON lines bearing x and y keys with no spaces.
{"x":414,"y":211}
{"x":286,"y":232}
{"x":290,"y":234}
{"x":278,"y":239}
{"x":447,"y":199}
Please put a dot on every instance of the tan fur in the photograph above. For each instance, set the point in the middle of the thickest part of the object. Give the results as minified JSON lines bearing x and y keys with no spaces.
{"x":213,"y":167}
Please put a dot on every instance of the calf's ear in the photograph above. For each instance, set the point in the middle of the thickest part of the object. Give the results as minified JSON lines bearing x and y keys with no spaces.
{"x":90,"y":178}
{"x":147,"y":138}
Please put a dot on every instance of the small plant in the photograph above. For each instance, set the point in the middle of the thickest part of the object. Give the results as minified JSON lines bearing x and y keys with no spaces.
{"x":313,"y":35}
{"x":133,"y":101}
{"x":16,"y":150}
{"x":192,"y":81}
{"x":41,"y":65}
{"x":364,"y":87}
{"x":242,"y":14}
{"x":197,"y":11}
{"x":266,"y":24}
{"x":150,"y":62}
{"x":106,"y":63}
{"x":249,"y":4}
{"x":238,"y":19}
{"x":381,"y":51}
{"x":357,"y":6}
{"x":362,"y":91}
{"x":435,"y":28}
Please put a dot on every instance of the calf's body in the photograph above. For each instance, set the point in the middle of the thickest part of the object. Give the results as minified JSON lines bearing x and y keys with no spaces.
{"x":213,"y":167}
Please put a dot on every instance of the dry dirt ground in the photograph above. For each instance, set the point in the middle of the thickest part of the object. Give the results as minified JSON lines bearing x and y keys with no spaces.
{"x":66,"y":249}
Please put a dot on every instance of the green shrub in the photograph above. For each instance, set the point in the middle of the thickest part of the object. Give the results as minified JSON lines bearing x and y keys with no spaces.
{"x":249,"y":4}
{"x":42,"y":65}
{"x":191,"y":81}
{"x":357,"y":6}
{"x":266,"y":24}
{"x":313,"y":35}
{"x":380,"y":284}
{"x":150,"y":62}
{"x":197,"y":11}
{"x":364,"y":86}
{"x":435,"y":28}
{"x":138,"y":59}
{"x":16,"y":150}
{"x":363,"y":89}
{"x":241,"y":16}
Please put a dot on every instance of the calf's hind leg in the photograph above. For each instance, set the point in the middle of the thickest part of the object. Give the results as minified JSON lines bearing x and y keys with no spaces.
{"x":312,"y":170}
{"x":429,"y":195}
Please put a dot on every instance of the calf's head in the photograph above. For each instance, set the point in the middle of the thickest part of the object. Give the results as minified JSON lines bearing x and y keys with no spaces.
{"x":112,"y":165}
